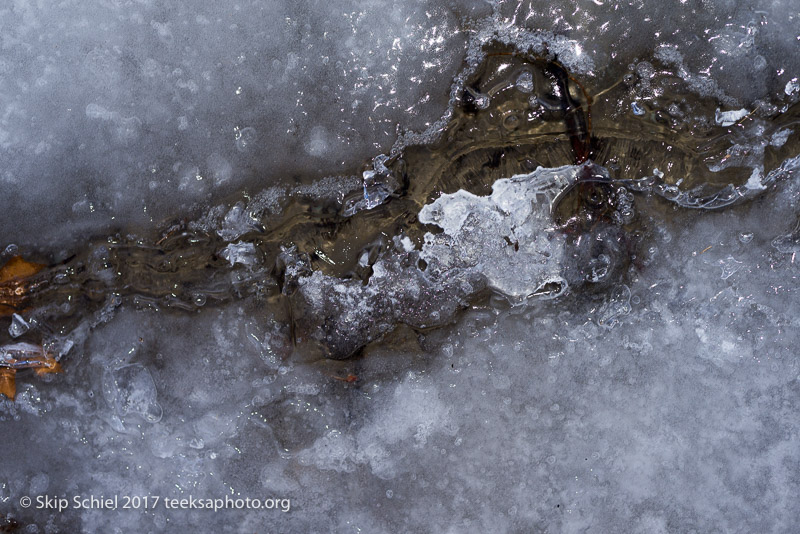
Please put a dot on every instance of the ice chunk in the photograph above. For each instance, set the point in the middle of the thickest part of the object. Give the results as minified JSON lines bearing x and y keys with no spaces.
{"x":242,"y":253}
{"x":237,"y":222}
{"x":18,"y":326}
{"x":375,"y":189}
{"x":130,"y":390}
{"x":507,"y":241}
{"x":729,"y":118}
{"x":479,"y":100}
{"x":406,"y":243}
{"x":343,"y":315}
{"x":754,"y":183}
{"x":780,"y":137}
{"x":524,"y":82}
{"x":508,"y":236}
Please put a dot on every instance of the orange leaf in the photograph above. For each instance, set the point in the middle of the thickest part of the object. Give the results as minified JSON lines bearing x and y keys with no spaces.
{"x":12,"y":284}
{"x":17,"y":268}
{"x":7,"y":383}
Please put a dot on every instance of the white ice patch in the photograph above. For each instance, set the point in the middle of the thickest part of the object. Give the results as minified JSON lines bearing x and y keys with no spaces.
{"x":236,"y":223}
{"x":792,"y":87}
{"x":243,"y":253}
{"x":729,"y":118}
{"x":406,"y":243}
{"x":407,"y":420}
{"x":18,"y":326}
{"x":754,"y":182}
{"x":506,"y":236}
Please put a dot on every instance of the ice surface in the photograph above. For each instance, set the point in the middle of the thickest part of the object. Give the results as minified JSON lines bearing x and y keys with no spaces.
{"x":344,"y":315}
{"x":118,"y":99}
{"x":115,"y":101}
{"x":507,"y":242}
{"x":729,"y":118}
{"x":680,"y":413}
{"x":664,"y":400}
{"x":130,"y":390}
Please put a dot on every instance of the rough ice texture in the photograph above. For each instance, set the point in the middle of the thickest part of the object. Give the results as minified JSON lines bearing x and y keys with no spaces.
{"x":680,"y":417}
{"x":119,"y":112}
{"x":507,"y":237}
{"x":345,"y":315}
{"x":505,"y":241}
{"x":113,"y":113}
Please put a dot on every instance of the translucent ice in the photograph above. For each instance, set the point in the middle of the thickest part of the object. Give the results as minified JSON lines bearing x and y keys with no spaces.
{"x":242,"y":253}
{"x":18,"y":326}
{"x":237,"y":222}
{"x":792,"y":87}
{"x":507,"y":236}
{"x":788,"y":243}
{"x":680,"y":418}
{"x":130,"y":389}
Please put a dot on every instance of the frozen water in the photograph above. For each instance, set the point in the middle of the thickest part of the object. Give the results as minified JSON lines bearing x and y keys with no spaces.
{"x":18,"y":326}
{"x":506,"y":242}
{"x":376,"y":189}
{"x":237,"y":222}
{"x":505,"y":236}
{"x":729,"y":118}
{"x":243,"y":253}
{"x":661,"y":399}
{"x":792,"y":87}
{"x":138,"y":89}
{"x":130,"y":390}
{"x":788,"y":243}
